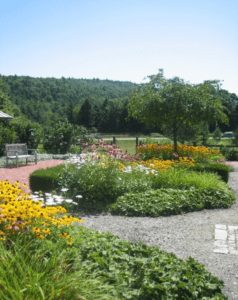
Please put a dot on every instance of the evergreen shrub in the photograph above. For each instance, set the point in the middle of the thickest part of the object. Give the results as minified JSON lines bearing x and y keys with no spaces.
{"x":221,"y":170}
{"x":46,"y":180}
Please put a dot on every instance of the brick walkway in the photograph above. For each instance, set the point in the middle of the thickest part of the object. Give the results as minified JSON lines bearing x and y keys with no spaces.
{"x":22,"y":173}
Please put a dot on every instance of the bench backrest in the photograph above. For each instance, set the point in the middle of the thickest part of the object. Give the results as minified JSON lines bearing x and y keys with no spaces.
{"x":12,"y":148}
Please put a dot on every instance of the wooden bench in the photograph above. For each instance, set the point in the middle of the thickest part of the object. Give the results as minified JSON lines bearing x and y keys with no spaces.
{"x":18,"y":151}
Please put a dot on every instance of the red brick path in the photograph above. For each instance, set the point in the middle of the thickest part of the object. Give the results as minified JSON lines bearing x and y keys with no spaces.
{"x":22,"y":173}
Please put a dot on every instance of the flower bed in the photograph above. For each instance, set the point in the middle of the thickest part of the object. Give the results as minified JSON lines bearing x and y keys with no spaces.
{"x":37,"y":237}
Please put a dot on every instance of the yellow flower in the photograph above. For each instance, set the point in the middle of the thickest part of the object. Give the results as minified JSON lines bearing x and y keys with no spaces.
{"x":69,"y":243}
{"x":46,"y":231}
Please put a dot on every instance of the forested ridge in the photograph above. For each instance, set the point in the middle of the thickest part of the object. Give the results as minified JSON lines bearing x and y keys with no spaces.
{"x":88,"y":102}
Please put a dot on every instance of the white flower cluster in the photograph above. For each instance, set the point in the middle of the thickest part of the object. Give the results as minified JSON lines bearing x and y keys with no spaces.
{"x":53,"y":199}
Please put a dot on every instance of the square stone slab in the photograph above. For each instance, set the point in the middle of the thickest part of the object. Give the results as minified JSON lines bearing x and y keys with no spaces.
{"x":221,"y":243}
{"x":221,"y":250}
{"x":220,"y":234}
{"x":219,"y":226}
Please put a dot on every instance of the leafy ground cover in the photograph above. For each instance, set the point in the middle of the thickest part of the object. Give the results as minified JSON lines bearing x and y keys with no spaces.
{"x":44,"y":256}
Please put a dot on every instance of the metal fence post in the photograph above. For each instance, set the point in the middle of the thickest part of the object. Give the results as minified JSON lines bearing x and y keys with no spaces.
{"x":137,"y":141}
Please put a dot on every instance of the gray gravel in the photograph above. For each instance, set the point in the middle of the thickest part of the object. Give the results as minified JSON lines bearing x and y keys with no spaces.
{"x":186,"y":235}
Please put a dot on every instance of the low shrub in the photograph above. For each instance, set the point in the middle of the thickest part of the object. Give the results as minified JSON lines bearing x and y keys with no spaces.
{"x":46,"y":180}
{"x":169,"y":201}
{"x":221,"y":170}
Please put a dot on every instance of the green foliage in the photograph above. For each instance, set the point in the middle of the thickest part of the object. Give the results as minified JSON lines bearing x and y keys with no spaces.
{"x":142,"y":272}
{"x":20,"y":130}
{"x":173,"y":103}
{"x":217,"y":133}
{"x":169,"y":201}
{"x":236,"y":136}
{"x":219,"y":169}
{"x":185,"y":178}
{"x":99,"y":185}
{"x":47,"y":272}
{"x":7,"y":136}
{"x":46,"y":180}
{"x":26,"y":131}
{"x":59,"y":137}
{"x":228,"y":153}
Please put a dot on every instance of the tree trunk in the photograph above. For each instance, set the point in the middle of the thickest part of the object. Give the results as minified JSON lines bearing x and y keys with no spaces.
{"x":175,"y":134}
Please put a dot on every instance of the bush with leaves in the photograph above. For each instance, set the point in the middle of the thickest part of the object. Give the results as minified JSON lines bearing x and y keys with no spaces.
{"x":20,"y":130}
{"x":217,"y":133}
{"x":59,"y":137}
{"x":26,"y":131}
{"x":7,"y":137}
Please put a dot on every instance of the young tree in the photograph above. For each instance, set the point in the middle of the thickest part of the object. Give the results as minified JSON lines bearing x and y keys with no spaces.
{"x":174,"y":102}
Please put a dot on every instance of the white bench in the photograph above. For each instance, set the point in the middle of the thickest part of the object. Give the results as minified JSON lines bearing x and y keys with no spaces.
{"x":18,"y":151}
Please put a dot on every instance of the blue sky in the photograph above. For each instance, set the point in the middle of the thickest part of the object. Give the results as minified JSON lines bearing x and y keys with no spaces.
{"x":124,"y":40}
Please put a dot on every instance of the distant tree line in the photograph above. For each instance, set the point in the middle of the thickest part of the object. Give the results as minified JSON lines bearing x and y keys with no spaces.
{"x":87,"y":102}
{"x":41,"y":103}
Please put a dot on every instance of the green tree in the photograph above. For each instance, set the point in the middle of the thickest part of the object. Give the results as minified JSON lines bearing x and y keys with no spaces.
{"x":84,"y":117}
{"x":174,"y":102}
{"x":70,"y":112}
{"x":217,"y":134}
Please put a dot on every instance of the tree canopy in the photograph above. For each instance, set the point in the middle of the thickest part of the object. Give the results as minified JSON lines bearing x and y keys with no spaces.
{"x":174,"y":102}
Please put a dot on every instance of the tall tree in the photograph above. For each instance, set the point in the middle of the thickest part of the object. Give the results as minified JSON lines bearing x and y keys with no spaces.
{"x":104,"y":124}
{"x":173,"y":102}
{"x":70,"y":112}
{"x":84,"y":117}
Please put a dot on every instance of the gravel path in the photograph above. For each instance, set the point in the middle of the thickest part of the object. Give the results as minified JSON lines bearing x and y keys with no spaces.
{"x":191,"y":234}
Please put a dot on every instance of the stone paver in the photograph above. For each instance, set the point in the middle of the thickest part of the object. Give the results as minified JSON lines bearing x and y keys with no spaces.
{"x":226,"y":239}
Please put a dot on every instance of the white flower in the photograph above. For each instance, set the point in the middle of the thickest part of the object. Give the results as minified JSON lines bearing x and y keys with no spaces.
{"x":64,"y":190}
{"x":50,"y":203}
{"x":48,"y":194}
{"x":59,"y":200}
{"x":119,"y":178}
{"x":75,"y":203}
{"x":79,"y":196}
{"x":68,"y":200}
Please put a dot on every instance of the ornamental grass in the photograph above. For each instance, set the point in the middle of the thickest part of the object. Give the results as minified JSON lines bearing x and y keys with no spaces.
{"x":24,"y":218}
